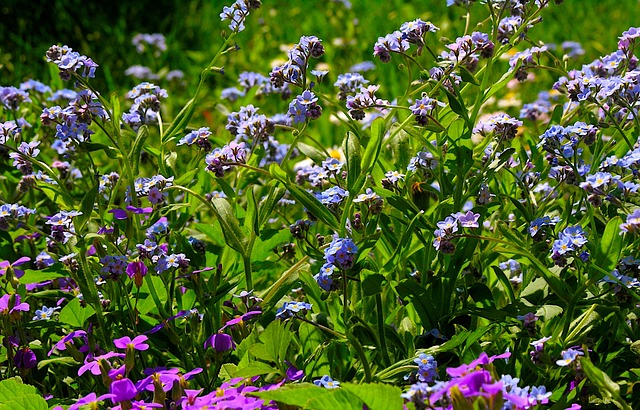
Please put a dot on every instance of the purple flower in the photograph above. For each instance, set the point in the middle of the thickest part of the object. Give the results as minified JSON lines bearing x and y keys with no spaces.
{"x":10,"y":303}
{"x":94,"y":365}
{"x":90,"y":399}
{"x":220,"y":342}
{"x":122,"y":390}
{"x":138,"y":343}
{"x":25,"y":358}
{"x":8,"y":267}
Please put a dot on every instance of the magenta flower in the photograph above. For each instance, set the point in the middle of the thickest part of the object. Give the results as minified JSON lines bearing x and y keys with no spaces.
{"x":62,"y":344}
{"x":94,"y":365}
{"x":8,"y":266}
{"x":122,"y":390}
{"x":123,"y":213}
{"x":7,"y":306}
{"x":136,"y":271}
{"x":220,"y":342}
{"x":89,"y":399}
{"x":138,"y":343}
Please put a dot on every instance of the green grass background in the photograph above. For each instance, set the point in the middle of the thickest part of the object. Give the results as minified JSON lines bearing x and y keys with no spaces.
{"x":103,"y":30}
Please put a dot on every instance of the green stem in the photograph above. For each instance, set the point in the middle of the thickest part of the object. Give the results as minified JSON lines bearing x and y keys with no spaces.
{"x":381,"y":333}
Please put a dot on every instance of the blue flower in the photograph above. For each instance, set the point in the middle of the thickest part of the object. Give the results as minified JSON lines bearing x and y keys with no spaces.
{"x":327,"y":382}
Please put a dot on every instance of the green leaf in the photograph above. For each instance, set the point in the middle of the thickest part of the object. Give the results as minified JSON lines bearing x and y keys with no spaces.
{"x":610,"y":246}
{"x":75,"y":315}
{"x":606,"y":386}
{"x":294,"y":395}
{"x":307,"y":200}
{"x":94,"y":146}
{"x":251,"y":217}
{"x":62,"y":360}
{"x":456,"y":105}
{"x":277,"y":338}
{"x":336,"y":399}
{"x":269,"y":204}
{"x":372,"y":284}
{"x":581,"y":326}
{"x":500,"y":84}
{"x":86,"y":206}
{"x":467,"y":76}
{"x":376,"y":395}
{"x":254,"y":368}
{"x":286,"y":281}
{"x":54,"y":271}
{"x":353,"y":154}
{"x":264,"y":247}
{"x":312,"y":152}
{"x":136,"y":149}
{"x":373,"y":147}
{"x":187,"y":178}
{"x":230,"y":225}
{"x":181,"y":121}
{"x":15,"y":395}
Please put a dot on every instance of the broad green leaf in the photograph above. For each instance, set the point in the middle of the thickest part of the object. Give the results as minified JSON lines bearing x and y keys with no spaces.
{"x":277,"y":338}
{"x":295,"y":394}
{"x":467,"y":76}
{"x":264,"y":247}
{"x":336,"y":399}
{"x":111,"y":152}
{"x":254,"y":368}
{"x":54,"y":271}
{"x":74,"y":315}
{"x":251,"y":217}
{"x":15,"y":395}
{"x":376,"y":395}
{"x":286,"y":281}
{"x":315,"y":154}
{"x":136,"y":149}
{"x":187,"y":178}
{"x":230,"y":225}
{"x":581,"y":326}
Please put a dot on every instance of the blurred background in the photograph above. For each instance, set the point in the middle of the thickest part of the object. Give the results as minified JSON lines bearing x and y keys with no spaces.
{"x":104,"y":32}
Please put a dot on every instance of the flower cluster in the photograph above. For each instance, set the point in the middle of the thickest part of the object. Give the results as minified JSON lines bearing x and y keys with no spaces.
{"x":503,"y":126}
{"x":467,"y":50}
{"x":449,"y":226}
{"x":423,"y":108}
{"x":476,"y":381}
{"x":146,"y":104}
{"x":69,"y":62}
{"x":294,"y":71}
{"x":411,"y":32}
{"x":293,"y":309}
{"x":220,"y":160}
{"x":569,"y":242}
{"x":305,"y":106}
{"x":238,"y":12}
{"x":339,"y":255}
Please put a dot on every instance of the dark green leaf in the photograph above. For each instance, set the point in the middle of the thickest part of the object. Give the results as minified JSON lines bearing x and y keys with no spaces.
{"x":181,"y":121}
{"x":372,"y":283}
